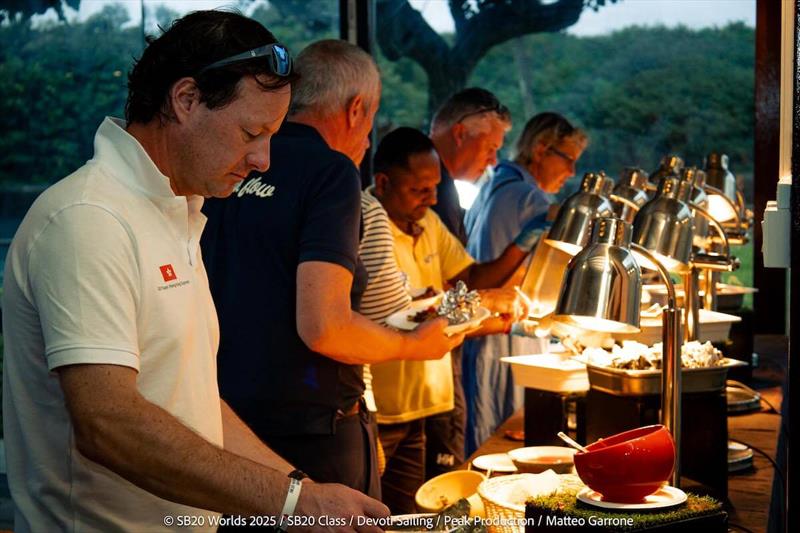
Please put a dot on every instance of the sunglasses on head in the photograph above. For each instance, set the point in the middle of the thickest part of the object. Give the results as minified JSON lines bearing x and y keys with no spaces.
{"x":278,"y":58}
{"x":497,"y":107}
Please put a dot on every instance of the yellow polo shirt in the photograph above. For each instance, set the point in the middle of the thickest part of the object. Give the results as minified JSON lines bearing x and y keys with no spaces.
{"x":409,"y":390}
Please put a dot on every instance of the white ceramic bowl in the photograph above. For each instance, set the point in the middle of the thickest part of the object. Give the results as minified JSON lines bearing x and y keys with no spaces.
{"x":446,"y":489}
{"x":536,"y":459}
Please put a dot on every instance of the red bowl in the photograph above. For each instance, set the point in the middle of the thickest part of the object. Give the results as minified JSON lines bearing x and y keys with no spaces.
{"x":628,"y":466}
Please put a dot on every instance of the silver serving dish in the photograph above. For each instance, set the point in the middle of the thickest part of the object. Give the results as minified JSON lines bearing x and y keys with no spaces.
{"x":621,"y":382}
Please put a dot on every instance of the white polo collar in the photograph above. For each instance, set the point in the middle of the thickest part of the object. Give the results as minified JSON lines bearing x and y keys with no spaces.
{"x":126,"y":158}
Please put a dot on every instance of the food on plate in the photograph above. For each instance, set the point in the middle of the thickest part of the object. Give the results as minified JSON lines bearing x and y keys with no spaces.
{"x":458,"y":305}
{"x":634,"y":355}
{"x":429,"y":292}
{"x":426,"y":314}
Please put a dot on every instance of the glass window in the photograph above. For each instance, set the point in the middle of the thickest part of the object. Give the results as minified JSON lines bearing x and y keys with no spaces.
{"x":643,"y":81}
{"x":61,"y":77}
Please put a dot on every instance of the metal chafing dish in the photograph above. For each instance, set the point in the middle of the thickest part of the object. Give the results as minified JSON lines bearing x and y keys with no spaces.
{"x":621,"y":382}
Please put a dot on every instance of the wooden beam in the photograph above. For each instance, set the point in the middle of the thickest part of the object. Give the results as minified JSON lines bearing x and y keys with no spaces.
{"x":771,"y":283}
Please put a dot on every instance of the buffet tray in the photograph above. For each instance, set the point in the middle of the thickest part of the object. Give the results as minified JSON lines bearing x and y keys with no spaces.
{"x":729,"y":297}
{"x":714,"y":327}
{"x":554,"y":372}
{"x":620,"y":382}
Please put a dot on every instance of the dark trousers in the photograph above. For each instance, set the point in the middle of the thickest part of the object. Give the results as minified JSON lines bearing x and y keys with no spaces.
{"x":349,"y":456}
{"x":404,"y":448}
{"x":444,"y":433}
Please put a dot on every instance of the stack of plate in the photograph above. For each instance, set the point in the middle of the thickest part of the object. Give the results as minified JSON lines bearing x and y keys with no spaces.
{"x":740,"y":457}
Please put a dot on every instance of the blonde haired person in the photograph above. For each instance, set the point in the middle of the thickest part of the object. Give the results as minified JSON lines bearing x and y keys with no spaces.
{"x":520,"y":191}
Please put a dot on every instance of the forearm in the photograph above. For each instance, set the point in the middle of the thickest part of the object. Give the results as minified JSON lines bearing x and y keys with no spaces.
{"x":496,"y":273}
{"x":240,"y":440}
{"x":327,"y":324}
{"x":375,"y":343}
{"x":152,"y":449}
{"x":492,"y":326}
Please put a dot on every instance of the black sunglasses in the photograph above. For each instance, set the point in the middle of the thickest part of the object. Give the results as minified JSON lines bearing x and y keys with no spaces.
{"x":280,"y":62}
{"x":498,"y":108}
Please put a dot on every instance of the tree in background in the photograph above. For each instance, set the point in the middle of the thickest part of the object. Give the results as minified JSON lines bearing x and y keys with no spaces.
{"x":59,"y":80}
{"x":640,"y":92}
{"x":25,"y":9}
{"x":480,"y":25}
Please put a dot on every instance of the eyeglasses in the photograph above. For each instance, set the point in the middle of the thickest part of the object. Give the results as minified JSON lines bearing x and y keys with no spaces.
{"x":562,"y":155}
{"x":280,"y":62}
{"x":498,"y":108}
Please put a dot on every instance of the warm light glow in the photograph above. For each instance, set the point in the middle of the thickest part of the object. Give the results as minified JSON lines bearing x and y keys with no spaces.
{"x":571,"y":249}
{"x":670,"y":264}
{"x":720,"y":209}
{"x":593,"y":323}
{"x":467,"y":192}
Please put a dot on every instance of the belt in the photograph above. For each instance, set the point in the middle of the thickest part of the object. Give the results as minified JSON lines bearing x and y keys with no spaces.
{"x":357,"y":407}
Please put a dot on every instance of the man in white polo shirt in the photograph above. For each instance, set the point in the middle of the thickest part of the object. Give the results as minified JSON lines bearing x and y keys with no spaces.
{"x":112,"y":414}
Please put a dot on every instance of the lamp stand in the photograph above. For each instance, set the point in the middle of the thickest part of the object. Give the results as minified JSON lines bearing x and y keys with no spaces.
{"x":671,"y":383}
{"x":691,"y":303}
{"x":672,"y":341}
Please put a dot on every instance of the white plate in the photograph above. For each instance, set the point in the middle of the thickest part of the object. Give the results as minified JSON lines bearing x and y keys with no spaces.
{"x":427,"y":302}
{"x":494,"y":462}
{"x":665,"y":497}
{"x":400,"y":319}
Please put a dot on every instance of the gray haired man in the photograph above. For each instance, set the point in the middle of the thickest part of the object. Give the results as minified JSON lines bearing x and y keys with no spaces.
{"x":283,"y":266}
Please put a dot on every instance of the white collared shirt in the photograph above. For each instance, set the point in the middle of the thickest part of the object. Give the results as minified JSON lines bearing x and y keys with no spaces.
{"x":104,"y":269}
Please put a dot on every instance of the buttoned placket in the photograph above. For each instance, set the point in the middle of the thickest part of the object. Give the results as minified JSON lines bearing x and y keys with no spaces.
{"x":185,"y":226}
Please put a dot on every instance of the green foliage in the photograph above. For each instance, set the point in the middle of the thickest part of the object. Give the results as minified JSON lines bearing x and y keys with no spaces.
{"x":24,"y":9}
{"x":298,"y":25}
{"x":59,"y":81}
{"x":640,"y":92}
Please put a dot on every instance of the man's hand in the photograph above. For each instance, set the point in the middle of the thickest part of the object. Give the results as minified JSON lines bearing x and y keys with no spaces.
{"x":340,"y":505}
{"x":505,"y":301}
{"x":429,"y":341}
{"x":507,"y":307}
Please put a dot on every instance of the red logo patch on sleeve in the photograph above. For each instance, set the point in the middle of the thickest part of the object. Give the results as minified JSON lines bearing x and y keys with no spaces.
{"x":167,"y":272}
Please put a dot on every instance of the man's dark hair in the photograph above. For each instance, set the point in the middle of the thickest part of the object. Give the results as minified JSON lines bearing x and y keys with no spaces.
{"x":191,"y":43}
{"x":397,"y":146}
{"x":466,"y":103}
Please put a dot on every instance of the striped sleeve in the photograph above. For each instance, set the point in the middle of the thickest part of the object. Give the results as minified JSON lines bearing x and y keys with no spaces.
{"x":386,"y":290}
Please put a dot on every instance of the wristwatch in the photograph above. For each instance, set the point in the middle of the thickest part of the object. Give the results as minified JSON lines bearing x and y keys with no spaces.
{"x":297,"y":474}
